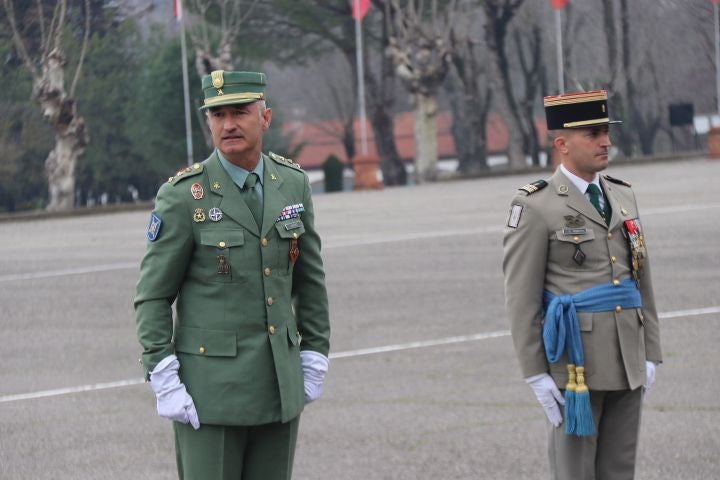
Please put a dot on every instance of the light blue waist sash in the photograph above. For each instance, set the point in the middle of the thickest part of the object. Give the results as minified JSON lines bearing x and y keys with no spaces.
{"x":562,"y":330}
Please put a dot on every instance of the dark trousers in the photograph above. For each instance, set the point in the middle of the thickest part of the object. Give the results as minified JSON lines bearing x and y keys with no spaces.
{"x":609,"y":455}
{"x":215,"y":452}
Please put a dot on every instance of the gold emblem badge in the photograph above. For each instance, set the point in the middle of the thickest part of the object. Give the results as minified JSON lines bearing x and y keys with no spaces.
{"x":216,"y":185}
{"x":272,"y":175}
{"x":217,"y":79}
{"x":199,"y":215}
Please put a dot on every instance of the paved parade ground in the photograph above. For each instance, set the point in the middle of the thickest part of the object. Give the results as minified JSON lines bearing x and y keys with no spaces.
{"x":423,"y":380}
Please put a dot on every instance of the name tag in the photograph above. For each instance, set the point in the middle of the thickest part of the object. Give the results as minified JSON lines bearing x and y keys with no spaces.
{"x":293,"y":225}
{"x":574,"y":231}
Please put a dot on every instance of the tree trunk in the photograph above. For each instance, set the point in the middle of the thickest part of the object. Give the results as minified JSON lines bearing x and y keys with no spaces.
{"x":392,"y":167}
{"x":426,"y":138}
{"x":71,"y":137}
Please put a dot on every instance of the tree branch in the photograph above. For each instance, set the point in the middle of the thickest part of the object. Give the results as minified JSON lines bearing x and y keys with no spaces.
{"x":18,"y":41}
{"x":83,"y":50}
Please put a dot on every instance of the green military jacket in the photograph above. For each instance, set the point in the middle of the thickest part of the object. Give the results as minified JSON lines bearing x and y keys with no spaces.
{"x":549,"y":222}
{"x":244,"y":308}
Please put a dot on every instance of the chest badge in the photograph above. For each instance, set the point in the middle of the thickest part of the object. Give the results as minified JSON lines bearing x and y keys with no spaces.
{"x":199,"y":215}
{"x":215,"y":214}
{"x":197,"y":191}
{"x":574,"y":221}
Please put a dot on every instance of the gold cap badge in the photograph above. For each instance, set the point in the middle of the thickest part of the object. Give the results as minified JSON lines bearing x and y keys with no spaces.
{"x":217,"y":79}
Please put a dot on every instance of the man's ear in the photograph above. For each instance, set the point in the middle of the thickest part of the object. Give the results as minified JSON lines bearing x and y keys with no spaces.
{"x":267,"y":118}
{"x":560,"y":144}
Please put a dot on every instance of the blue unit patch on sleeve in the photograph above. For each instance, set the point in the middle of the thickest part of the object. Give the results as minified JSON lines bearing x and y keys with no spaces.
{"x":154,"y":227}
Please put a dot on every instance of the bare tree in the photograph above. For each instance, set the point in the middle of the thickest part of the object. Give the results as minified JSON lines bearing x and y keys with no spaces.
{"x":500,"y":14}
{"x":471,"y":105}
{"x":45,"y":60}
{"x":419,"y":46}
{"x":643,"y":118}
{"x":215,"y":31}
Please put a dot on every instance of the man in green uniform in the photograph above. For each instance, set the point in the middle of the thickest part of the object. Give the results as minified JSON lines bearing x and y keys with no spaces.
{"x":579,"y":296}
{"x":232,"y":242}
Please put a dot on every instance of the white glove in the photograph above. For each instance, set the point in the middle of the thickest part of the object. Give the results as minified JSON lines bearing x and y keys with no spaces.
{"x":548,"y":395}
{"x":314,"y":366}
{"x":173,"y":401}
{"x":649,"y":376}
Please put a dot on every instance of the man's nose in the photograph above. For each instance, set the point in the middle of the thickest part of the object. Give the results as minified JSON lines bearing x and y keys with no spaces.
{"x":605,"y":140}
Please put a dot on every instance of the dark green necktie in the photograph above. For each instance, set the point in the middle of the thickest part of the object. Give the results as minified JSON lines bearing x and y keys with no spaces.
{"x":252,"y":199}
{"x":594,"y":193}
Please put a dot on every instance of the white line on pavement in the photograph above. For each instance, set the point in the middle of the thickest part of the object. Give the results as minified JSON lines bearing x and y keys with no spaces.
{"x":389,"y":238}
{"x":336,"y":355}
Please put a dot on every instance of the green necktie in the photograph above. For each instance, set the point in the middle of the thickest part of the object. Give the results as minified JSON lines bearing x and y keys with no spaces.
{"x":594,"y":193}
{"x":252,"y":199}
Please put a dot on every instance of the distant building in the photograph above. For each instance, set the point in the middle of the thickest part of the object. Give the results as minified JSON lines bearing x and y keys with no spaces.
{"x":322,"y":138}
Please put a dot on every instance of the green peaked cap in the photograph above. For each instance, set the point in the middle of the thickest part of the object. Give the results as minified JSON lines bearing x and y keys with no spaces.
{"x":232,"y":88}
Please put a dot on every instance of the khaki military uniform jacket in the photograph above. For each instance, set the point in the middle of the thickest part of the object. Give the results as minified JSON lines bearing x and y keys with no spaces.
{"x":538,"y":256}
{"x":239,"y":327}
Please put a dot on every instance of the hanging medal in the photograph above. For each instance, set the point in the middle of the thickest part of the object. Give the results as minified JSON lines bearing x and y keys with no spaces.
{"x":223,"y":265}
{"x":294,"y":249}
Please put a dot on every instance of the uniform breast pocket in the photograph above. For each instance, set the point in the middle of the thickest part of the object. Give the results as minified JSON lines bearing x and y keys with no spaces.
{"x":290,"y":233}
{"x":573,"y":250}
{"x":221,"y":253}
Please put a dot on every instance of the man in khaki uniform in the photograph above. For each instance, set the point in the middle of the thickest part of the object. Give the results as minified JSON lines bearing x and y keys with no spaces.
{"x":232,"y":242}
{"x":579,"y":296}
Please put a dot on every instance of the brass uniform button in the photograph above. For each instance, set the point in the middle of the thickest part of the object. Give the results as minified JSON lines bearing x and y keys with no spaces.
{"x":295,"y":235}
{"x":576,"y":238}
{"x":196,"y":166}
{"x":609,"y":235}
{"x":618,"y":309}
{"x":271,"y":329}
{"x":267,"y":271}
{"x":613,"y":259}
{"x":221,"y":244}
{"x":616,"y":282}
{"x":270,"y":300}
{"x":264,"y":242}
{"x":202,"y":349}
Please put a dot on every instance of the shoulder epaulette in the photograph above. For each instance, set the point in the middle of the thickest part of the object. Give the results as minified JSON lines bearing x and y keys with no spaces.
{"x":534,"y":187}
{"x":616,"y":180}
{"x":284,"y":161}
{"x":186,"y":172}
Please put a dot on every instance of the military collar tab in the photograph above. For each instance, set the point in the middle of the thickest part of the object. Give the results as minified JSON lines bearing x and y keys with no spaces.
{"x":533,"y":187}
{"x":616,"y":180}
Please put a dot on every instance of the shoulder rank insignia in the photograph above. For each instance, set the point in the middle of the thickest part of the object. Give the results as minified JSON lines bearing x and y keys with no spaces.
{"x":154,"y":227}
{"x":534,"y":187}
{"x":186,"y":172}
{"x":616,"y":180}
{"x":283,"y":161}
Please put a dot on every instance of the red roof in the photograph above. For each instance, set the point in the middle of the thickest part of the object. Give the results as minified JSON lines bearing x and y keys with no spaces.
{"x":322,"y":138}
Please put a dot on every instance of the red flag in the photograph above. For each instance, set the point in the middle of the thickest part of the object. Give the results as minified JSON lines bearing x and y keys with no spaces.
{"x":360,"y":8}
{"x":177,"y":9}
{"x":560,"y":4}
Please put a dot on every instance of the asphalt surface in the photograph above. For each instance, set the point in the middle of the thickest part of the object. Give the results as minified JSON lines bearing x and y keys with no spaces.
{"x":418,"y":264}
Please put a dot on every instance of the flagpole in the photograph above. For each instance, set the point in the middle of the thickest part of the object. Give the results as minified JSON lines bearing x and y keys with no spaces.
{"x":186,"y":86}
{"x":360,"y":78}
{"x":558,"y":42}
{"x":717,"y":54}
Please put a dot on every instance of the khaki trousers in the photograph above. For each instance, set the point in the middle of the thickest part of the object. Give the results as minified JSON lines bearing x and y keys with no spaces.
{"x":610,"y":455}
{"x":216,"y":452}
